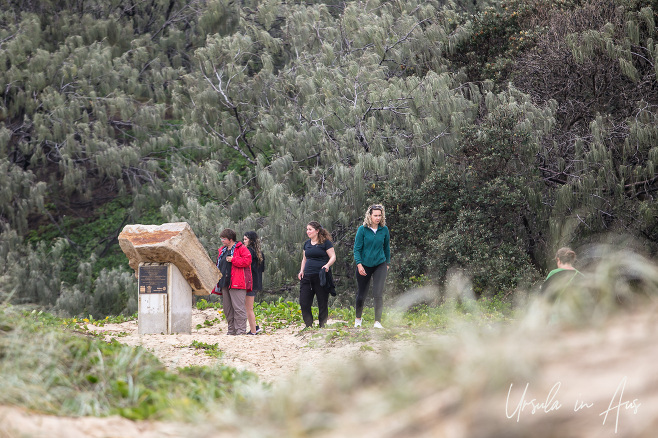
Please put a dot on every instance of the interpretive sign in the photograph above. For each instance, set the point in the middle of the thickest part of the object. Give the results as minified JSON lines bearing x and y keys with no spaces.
{"x":153,"y":279}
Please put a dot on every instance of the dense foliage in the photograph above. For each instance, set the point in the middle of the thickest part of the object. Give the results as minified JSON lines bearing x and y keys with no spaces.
{"x":494,"y":131}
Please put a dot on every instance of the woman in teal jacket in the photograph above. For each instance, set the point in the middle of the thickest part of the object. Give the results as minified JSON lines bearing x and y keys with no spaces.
{"x":372,"y":255}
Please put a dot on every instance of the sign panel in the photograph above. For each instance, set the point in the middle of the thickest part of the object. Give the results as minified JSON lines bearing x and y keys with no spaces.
{"x":153,"y":279}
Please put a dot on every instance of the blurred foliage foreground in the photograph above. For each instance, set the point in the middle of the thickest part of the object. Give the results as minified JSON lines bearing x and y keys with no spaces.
{"x":50,"y":365}
{"x":591,"y":337}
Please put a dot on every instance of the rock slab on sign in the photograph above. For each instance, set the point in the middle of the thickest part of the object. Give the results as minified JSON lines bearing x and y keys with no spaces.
{"x":171,"y":243}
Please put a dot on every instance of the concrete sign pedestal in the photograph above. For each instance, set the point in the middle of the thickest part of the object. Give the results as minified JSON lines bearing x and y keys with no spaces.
{"x":165,"y":300}
{"x":171,"y":265}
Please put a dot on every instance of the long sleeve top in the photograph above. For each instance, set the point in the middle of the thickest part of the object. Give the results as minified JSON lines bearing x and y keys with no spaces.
{"x":370,"y":248}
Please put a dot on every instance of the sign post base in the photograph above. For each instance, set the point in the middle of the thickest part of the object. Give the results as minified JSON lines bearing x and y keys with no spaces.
{"x":165,"y":300}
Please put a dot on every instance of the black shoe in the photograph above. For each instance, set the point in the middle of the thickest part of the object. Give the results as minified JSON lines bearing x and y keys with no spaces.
{"x":258,"y":330}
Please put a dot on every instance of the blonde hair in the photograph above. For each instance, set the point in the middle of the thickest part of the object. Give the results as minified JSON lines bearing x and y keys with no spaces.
{"x":367,"y":221}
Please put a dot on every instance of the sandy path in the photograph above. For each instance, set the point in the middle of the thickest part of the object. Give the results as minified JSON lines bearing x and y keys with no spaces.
{"x":273,"y":355}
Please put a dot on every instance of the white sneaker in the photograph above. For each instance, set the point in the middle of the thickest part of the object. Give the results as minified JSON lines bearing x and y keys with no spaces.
{"x":357,"y":322}
{"x":378,"y":325}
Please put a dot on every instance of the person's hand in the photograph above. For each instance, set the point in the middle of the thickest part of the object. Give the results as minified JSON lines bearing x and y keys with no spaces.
{"x":300,"y":275}
{"x":326,"y":268}
{"x":229,"y":258}
{"x":362,"y":270}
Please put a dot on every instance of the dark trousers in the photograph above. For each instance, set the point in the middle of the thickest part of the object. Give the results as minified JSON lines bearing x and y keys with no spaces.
{"x":378,"y":275}
{"x":309,"y":287}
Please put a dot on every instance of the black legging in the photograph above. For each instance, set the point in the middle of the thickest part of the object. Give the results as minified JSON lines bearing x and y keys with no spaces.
{"x":378,"y":274}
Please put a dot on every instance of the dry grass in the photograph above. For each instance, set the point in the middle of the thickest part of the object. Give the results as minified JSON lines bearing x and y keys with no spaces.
{"x":582,"y":352}
{"x":555,"y":370}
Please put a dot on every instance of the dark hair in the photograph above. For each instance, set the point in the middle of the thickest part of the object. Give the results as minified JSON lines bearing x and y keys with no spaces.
{"x":254,"y":242}
{"x":322,"y":233}
{"x":228,"y":234}
{"x":565,"y":255}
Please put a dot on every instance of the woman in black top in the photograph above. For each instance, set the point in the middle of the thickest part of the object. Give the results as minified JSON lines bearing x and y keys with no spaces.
{"x":318,"y":253}
{"x":252,"y":242}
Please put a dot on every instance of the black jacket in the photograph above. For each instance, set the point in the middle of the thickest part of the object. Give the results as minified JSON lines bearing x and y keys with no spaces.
{"x":257,"y":269}
{"x":327,"y":281}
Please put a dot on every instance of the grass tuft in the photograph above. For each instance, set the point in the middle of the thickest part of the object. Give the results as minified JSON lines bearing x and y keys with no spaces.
{"x":47,"y":366}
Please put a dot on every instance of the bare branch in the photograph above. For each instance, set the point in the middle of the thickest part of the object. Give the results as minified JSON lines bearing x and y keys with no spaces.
{"x":222,"y":138}
{"x":401,"y":40}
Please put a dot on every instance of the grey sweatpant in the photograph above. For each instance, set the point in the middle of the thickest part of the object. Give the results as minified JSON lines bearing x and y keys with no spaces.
{"x":233,"y":301}
{"x":378,"y":275}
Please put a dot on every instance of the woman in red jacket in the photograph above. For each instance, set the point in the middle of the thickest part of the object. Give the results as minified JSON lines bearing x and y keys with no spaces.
{"x":234,"y":261}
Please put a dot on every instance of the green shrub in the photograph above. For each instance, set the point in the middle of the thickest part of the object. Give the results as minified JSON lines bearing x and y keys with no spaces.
{"x":478,"y":212}
{"x":30,"y":273}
